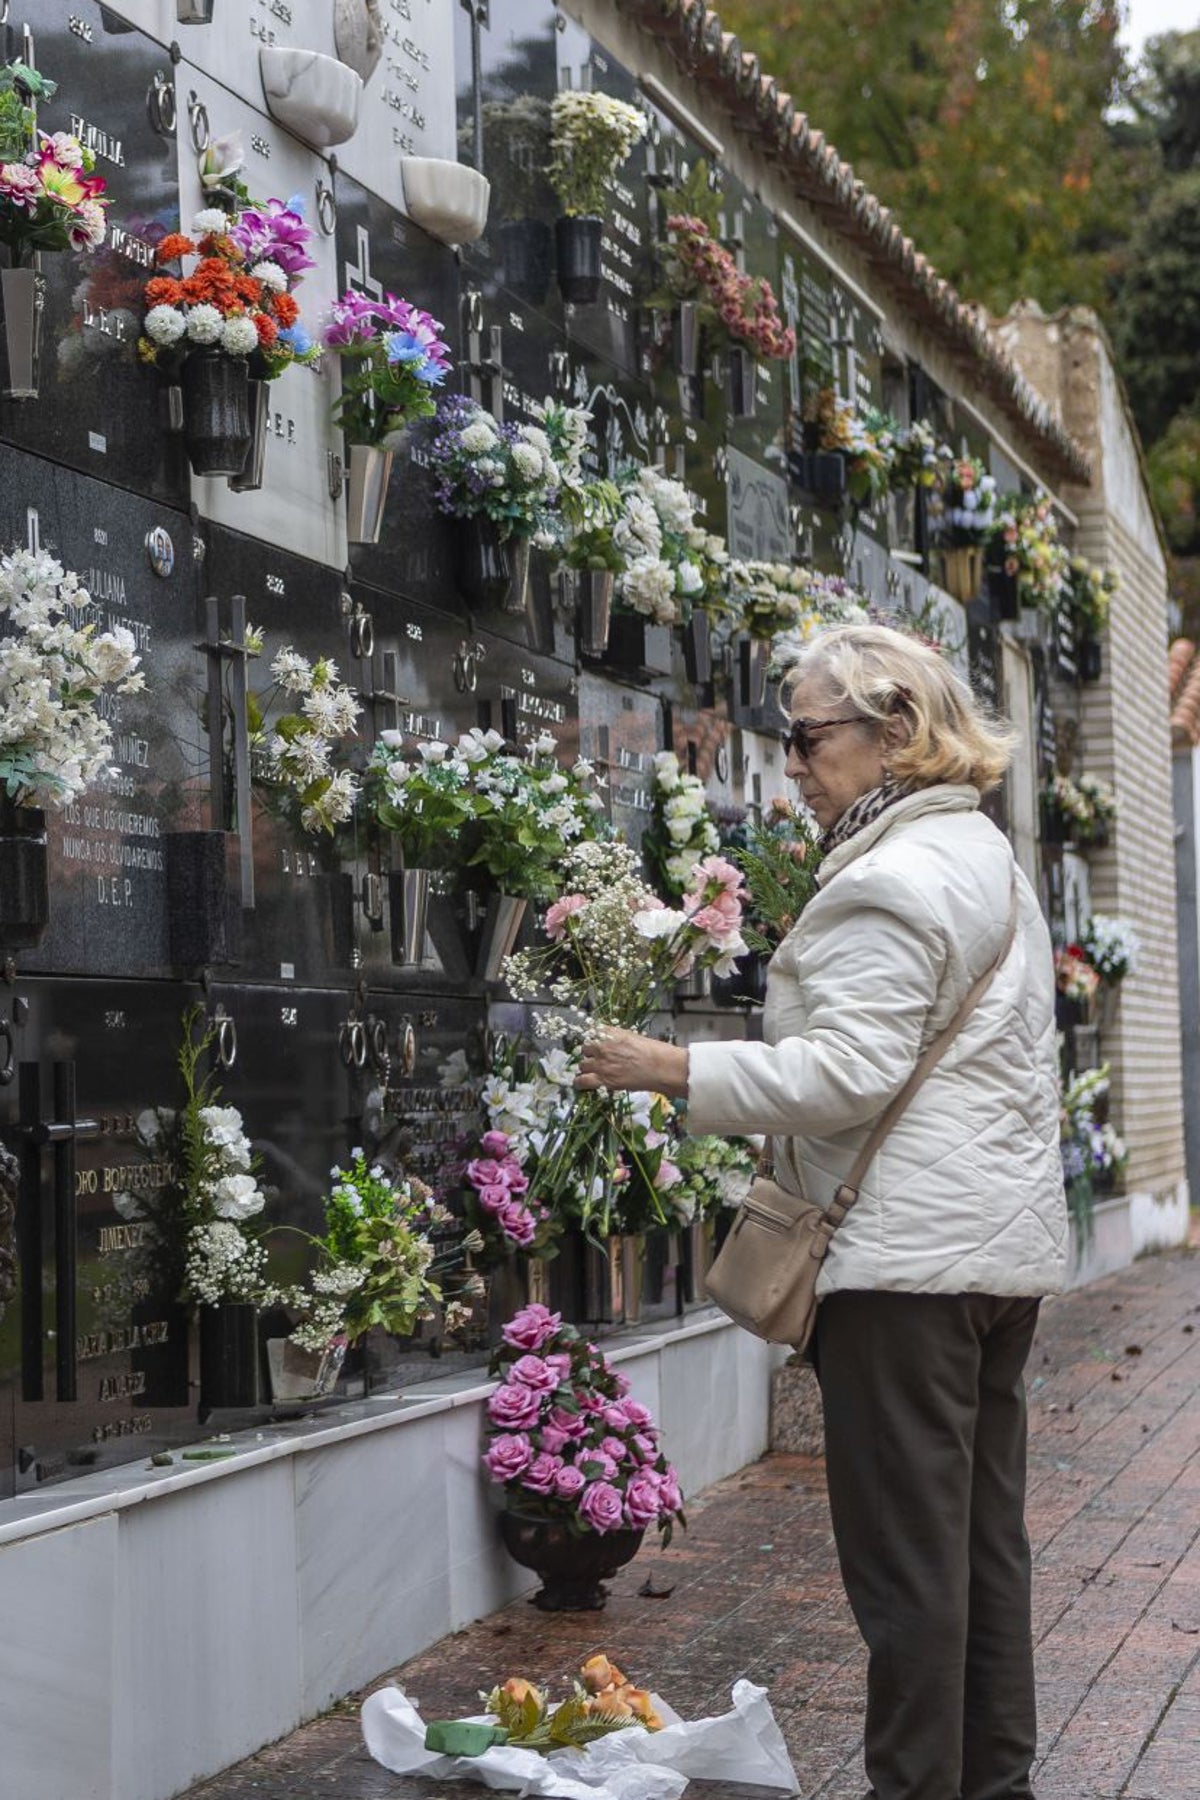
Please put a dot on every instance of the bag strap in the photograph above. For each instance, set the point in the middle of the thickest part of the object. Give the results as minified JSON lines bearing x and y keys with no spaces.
{"x":847,"y":1193}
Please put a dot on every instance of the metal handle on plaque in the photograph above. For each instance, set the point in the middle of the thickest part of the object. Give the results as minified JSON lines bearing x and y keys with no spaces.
{"x":352,"y":1043}
{"x":198,"y":123}
{"x":161,"y":108}
{"x":227,"y":1039}
{"x":326,"y":207}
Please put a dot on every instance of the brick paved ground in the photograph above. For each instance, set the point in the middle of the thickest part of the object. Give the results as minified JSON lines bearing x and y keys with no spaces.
{"x":1115,"y":1518}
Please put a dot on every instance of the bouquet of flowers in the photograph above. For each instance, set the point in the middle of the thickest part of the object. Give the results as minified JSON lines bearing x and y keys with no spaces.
{"x":54,"y":672}
{"x":1090,"y":593}
{"x":1025,"y":538}
{"x":526,"y":1098}
{"x":671,"y":563}
{"x":917,"y":458}
{"x":237,"y":298}
{"x":49,"y":197}
{"x":770,"y":598}
{"x":1074,"y":975}
{"x":513,"y":475}
{"x":200,"y":1221}
{"x":479,"y":805}
{"x":830,"y":600}
{"x":1112,"y":947}
{"x":377,"y":1261}
{"x":963,"y":509}
{"x":743,"y":307}
{"x":1093,"y":1153}
{"x":566,"y":1441}
{"x":393,"y":359}
{"x":591,"y":135}
{"x":779,"y":858}
{"x":293,"y":756}
{"x":604,"y":1700}
{"x":1086,"y":806}
{"x":715,"y":1176}
{"x":682,"y":830}
{"x":835,"y":426}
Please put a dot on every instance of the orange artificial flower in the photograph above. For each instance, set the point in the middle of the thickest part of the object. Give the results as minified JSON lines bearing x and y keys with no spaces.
{"x":248,"y":289}
{"x":598,"y":1673}
{"x":608,"y":1705}
{"x":266,"y":328}
{"x":285,"y":308}
{"x":641,"y":1706}
{"x":173,"y":245}
{"x":162,"y":290}
{"x":518,"y":1690}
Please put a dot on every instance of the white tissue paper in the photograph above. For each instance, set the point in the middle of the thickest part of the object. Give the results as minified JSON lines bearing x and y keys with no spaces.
{"x":744,"y":1745}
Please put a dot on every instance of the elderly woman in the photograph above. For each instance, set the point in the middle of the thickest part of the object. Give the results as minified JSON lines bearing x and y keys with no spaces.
{"x":929,"y":1293}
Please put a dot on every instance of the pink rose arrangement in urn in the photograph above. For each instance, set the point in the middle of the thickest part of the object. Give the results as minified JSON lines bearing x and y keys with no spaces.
{"x":579,"y":1458}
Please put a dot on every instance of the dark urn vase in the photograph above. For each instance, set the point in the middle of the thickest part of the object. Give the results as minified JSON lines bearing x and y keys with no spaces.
{"x":1003,"y":594}
{"x":483,"y":563}
{"x":228,"y":1355}
{"x":526,"y":258}
{"x":572,"y":1568}
{"x":821,"y":473}
{"x":1091,"y":659}
{"x":216,"y":412}
{"x":741,"y":378}
{"x":577,"y":247}
{"x":24,"y":876}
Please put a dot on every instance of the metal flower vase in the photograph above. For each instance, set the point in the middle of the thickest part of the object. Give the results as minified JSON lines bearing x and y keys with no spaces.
{"x":741,"y":382}
{"x":24,"y":876}
{"x":593,"y":609}
{"x":572,"y":1566}
{"x":22,"y":301}
{"x":251,"y":477}
{"x":302,"y":1375}
{"x":228,"y":1355}
{"x":194,"y":12}
{"x":216,"y":412}
{"x":409,"y":891}
{"x":686,"y":337}
{"x":577,"y":246}
{"x":370,"y":471}
{"x":502,"y":923}
{"x":515,"y":598}
{"x":484,"y":566}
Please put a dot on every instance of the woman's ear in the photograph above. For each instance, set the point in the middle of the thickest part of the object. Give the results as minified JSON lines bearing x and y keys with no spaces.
{"x":897,"y":729}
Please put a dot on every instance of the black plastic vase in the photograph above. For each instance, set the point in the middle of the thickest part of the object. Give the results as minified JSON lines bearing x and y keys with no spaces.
{"x":216,"y":412}
{"x":577,"y":244}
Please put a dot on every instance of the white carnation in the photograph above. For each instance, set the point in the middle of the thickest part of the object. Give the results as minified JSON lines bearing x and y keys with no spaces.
{"x":271,"y":276}
{"x":204,"y":324}
{"x":210,"y":219}
{"x":238,"y":336}
{"x":165,"y":324}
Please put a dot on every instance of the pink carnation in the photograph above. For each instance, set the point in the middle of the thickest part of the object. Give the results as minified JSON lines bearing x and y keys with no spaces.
{"x":507,"y":1456}
{"x":558,"y":914}
{"x":514,"y":1407}
{"x":539,"y":1476}
{"x":600,"y":1507}
{"x":533,"y":1373}
{"x":529,"y":1328}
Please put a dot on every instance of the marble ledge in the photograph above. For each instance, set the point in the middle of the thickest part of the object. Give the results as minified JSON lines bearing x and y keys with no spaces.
{"x":134,"y":1484}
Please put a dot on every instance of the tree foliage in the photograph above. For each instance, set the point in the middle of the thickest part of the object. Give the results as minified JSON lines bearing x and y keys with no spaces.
{"x":982,"y":123}
{"x":1156,"y":320}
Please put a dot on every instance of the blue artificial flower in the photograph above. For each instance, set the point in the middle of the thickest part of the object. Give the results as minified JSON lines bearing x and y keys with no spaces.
{"x":431,"y":373}
{"x":296,"y":339}
{"x":403,"y":347}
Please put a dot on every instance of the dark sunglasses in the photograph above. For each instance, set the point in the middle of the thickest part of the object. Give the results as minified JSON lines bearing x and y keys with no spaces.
{"x":799,"y":735}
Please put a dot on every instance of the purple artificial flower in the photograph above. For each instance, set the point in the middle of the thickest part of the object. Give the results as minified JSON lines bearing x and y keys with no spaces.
{"x":514,"y":1407}
{"x":615,"y":1448}
{"x":539,"y":1476}
{"x":485,"y":1171}
{"x":552,"y":1438}
{"x":532,"y":1372}
{"x":669,"y":1494}
{"x":352,"y":322}
{"x":518,"y":1223}
{"x":494,"y":1143}
{"x":529,"y":1328}
{"x":275,"y":232}
{"x":643,"y":1499}
{"x":507,"y":1456}
{"x":492,"y":1196}
{"x":600,"y":1507}
{"x":569,"y":1482}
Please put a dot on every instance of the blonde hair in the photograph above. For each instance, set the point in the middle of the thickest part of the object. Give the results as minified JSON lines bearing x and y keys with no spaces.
{"x":881,"y":673}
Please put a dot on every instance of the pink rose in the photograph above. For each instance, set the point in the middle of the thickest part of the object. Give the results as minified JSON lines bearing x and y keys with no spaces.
{"x":614,"y":1447}
{"x":485,"y":1171}
{"x":514,"y":1175}
{"x":600,"y":1506}
{"x":560,"y":1362}
{"x":539,"y":1476}
{"x":643,"y":1500}
{"x":493,"y":1196}
{"x":636,"y":1413}
{"x":507,"y":1456}
{"x":558,"y":914}
{"x":616,"y":1416}
{"x":568,"y":1482}
{"x":494,"y":1143}
{"x":669,"y":1493}
{"x":669,"y":1174}
{"x":514,"y":1407}
{"x":572,"y":1425}
{"x":645,"y":1446}
{"x":621,"y":1383}
{"x":533,"y":1373}
{"x":553,"y":1439}
{"x":517,"y":1222}
{"x":529,"y":1328}
{"x":599,"y":1467}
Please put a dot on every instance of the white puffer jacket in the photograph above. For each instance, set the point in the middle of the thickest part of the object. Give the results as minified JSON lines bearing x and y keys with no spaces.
{"x":966,"y":1194}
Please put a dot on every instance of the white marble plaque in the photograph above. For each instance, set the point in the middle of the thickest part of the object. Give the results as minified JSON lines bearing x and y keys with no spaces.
{"x":293,"y":505}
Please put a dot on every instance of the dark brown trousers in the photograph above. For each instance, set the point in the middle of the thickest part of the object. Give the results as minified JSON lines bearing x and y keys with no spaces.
{"x":925,"y":1433}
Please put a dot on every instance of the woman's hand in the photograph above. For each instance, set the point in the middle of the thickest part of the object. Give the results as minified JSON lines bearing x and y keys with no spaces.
{"x":626,"y":1060}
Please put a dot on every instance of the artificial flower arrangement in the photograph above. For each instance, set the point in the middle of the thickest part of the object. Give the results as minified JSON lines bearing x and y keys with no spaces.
{"x":480,"y":805}
{"x":613,"y":955}
{"x":292,"y":752}
{"x":50,"y":199}
{"x":715,"y":1174}
{"x":682,"y":830}
{"x":1024,"y":539}
{"x":1089,"y":594}
{"x":1074,"y":975}
{"x":393,"y":360}
{"x":916,"y":457}
{"x":672,"y":565}
{"x":591,"y":135}
{"x":779,"y":856}
{"x":511,"y":475}
{"x":526,"y":1098}
{"x":1083,"y":808}
{"x":963,"y":507}
{"x":1094,"y":1154}
{"x":204,"y":1246}
{"x":566,"y":1441}
{"x":741,"y":308}
{"x":1112,"y":946}
{"x":107,"y":308}
{"x":829,"y":600}
{"x":237,"y":298}
{"x":833,"y":425}
{"x":55,"y":739}
{"x":377,"y":1262}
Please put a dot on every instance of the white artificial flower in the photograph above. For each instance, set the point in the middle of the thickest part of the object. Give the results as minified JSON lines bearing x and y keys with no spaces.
{"x":114,"y":654}
{"x":477,"y":437}
{"x":165,"y":324}
{"x":435,"y":752}
{"x":392,"y":740}
{"x":238,"y":336}
{"x":292,"y":671}
{"x":204,"y":323}
{"x":544,"y":744}
{"x":210,"y":220}
{"x":659,"y":922}
{"x":528,"y":461}
{"x":237,"y":1197}
{"x":271,"y":276}
{"x":691,"y":581}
